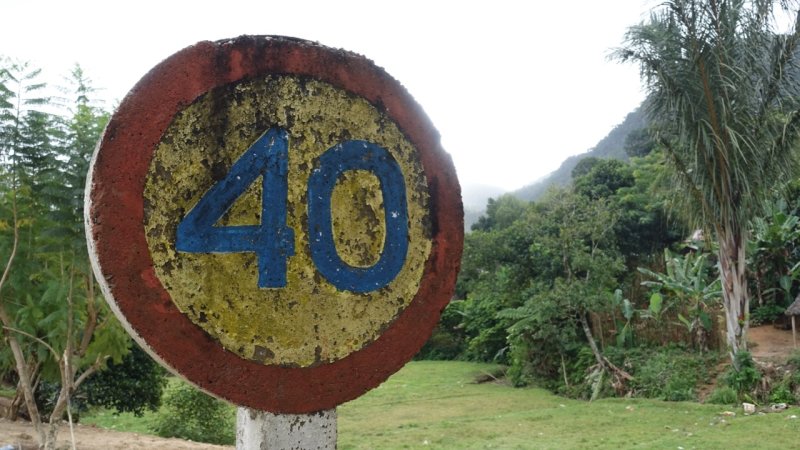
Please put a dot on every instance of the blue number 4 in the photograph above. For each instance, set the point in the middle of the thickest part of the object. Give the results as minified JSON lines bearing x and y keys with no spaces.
{"x":272,"y":241}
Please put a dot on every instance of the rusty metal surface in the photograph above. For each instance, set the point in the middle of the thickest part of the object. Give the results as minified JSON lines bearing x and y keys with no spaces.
{"x":312,"y":345}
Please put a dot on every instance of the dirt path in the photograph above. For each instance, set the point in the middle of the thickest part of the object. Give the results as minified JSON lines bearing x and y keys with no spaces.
{"x":20,"y":434}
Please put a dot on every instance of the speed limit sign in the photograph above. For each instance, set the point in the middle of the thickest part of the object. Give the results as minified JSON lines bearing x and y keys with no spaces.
{"x":275,"y":221}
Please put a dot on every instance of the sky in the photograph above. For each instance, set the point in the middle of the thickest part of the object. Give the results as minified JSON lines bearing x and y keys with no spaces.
{"x":513,"y":87}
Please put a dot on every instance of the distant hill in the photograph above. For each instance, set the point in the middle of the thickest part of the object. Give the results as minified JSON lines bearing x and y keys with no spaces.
{"x":611,"y":146}
{"x":475,"y":197}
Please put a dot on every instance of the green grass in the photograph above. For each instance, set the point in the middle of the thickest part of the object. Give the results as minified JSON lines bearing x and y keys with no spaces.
{"x":121,"y":422}
{"x":435,"y":405}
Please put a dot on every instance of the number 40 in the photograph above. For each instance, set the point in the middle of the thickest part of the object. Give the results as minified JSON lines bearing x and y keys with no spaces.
{"x":272,"y":241}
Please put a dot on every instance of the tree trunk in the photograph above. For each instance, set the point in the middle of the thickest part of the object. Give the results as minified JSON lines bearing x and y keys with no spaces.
{"x":26,"y":384}
{"x":592,"y":344}
{"x":12,"y":414}
{"x":735,"y":298}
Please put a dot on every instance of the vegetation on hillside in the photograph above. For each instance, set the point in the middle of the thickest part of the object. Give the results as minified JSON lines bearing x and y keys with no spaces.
{"x":662,"y":252}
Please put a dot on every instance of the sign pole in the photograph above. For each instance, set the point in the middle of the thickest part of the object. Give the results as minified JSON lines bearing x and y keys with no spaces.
{"x":261,"y":430}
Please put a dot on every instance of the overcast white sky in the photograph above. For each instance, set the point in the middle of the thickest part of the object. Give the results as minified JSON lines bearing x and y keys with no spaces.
{"x":514,"y":87}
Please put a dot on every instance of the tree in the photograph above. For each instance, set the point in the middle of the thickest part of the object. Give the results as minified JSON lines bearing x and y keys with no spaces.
{"x":580,"y":239}
{"x":57,"y":327}
{"x":603,"y":179}
{"x":724,"y":100}
{"x":639,"y":143}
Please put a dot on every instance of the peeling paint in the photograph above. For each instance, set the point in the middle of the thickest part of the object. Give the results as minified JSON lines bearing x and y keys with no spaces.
{"x":309,"y":322}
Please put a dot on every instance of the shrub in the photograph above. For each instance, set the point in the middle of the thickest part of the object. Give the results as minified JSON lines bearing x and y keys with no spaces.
{"x":745,"y":379}
{"x":46,"y":396}
{"x":766,"y":314}
{"x":134,"y":385}
{"x":723,"y":395}
{"x":669,"y":373}
{"x":447,"y":342}
{"x":782,"y":393}
{"x":188,"y":413}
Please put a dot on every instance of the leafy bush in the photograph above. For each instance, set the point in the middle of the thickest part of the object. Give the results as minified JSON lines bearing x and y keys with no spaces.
{"x":723,"y":395}
{"x":46,"y":396}
{"x":782,"y":393}
{"x":134,"y":385}
{"x":768,"y":313}
{"x":743,"y":380}
{"x":188,"y":413}
{"x":447,"y":342}
{"x":670,"y":373}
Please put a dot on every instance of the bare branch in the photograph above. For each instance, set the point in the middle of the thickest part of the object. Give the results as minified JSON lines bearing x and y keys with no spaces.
{"x":39,"y":340}
{"x":90,"y":370}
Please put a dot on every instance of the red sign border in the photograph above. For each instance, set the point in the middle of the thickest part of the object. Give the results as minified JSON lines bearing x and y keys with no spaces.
{"x":115,"y":215}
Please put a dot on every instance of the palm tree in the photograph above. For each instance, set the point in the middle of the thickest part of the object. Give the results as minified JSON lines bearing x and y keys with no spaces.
{"x":724,"y":93}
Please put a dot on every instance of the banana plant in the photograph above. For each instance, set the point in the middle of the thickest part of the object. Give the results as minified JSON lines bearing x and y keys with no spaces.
{"x":686,"y":286}
{"x":624,"y":336}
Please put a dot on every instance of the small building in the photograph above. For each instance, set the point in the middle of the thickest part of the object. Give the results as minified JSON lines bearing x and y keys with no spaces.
{"x":792,"y":311}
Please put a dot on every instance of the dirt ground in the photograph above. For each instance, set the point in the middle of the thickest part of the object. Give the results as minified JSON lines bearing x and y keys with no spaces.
{"x":770,"y":344}
{"x":20,"y":435}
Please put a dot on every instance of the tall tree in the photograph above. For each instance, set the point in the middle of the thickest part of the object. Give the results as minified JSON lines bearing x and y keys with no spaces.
{"x":51,"y":313}
{"x":724,"y":90}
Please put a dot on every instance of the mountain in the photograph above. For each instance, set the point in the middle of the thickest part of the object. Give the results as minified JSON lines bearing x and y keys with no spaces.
{"x":611,"y":146}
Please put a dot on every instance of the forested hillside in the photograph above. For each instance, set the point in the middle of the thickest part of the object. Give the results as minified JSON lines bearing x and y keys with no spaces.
{"x":642,"y":265}
{"x":611,"y":146}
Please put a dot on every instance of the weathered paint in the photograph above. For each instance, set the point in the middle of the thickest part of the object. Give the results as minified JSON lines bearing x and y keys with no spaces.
{"x":258,"y":430}
{"x":115,"y":214}
{"x":309,"y":321}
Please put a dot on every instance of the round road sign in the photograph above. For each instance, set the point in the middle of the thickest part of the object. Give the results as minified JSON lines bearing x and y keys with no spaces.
{"x":275,"y":221}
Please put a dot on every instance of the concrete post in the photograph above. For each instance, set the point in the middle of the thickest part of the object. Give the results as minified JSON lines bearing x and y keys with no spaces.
{"x":258,"y":430}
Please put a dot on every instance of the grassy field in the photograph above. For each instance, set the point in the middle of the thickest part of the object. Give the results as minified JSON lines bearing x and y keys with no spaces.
{"x":436,"y":405}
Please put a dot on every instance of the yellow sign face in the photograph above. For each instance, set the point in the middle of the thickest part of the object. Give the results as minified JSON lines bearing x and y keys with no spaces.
{"x":305,"y":320}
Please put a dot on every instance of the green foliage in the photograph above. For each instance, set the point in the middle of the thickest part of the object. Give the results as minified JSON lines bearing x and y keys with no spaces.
{"x":723,"y":395}
{"x":782,"y":393}
{"x":576,"y":233}
{"x":690,"y":288}
{"x":603,"y":178}
{"x":774,"y":255}
{"x":639,"y":143}
{"x":133,"y":385}
{"x":668,"y":373}
{"x":46,"y":396}
{"x":625,"y":334}
{"x":51,"y":307}
{"x":744,"y":379}
{"x":766,"y":314}
{"x":188,"y":413}
{"x":448,"y":338}
{"x":500,"y":213}
{"x":724,"y":99}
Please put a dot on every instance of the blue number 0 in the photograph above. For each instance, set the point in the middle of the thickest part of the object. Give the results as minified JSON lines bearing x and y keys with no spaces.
{"x":272,"y":241}
{"x":355,"y":155}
